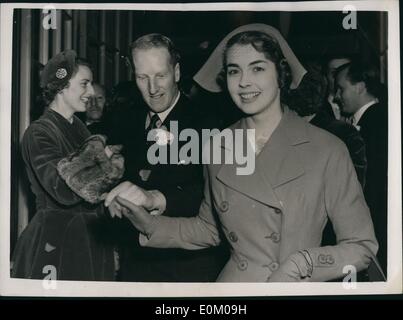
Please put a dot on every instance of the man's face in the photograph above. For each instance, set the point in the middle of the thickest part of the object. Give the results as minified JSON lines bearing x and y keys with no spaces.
{"x":95,"y":106}
{"x":347,"y":93}
{"x":156,"y":78}
{"x":332,"y":66}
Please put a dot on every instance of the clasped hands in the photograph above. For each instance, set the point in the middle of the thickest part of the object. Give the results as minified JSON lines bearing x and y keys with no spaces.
{"x":136,"y":204}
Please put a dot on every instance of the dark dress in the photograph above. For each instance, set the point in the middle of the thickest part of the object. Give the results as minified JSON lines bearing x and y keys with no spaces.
{"x":65,"y":232}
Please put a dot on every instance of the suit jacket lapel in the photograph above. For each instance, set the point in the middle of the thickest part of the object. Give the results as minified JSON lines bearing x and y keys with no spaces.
{"x":275,"y":165}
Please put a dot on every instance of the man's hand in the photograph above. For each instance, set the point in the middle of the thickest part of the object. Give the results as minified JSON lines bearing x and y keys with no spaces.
{"x":137,"y":215}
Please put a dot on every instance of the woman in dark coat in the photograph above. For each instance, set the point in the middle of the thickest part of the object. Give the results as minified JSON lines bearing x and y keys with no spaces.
{"x":65,"y":233}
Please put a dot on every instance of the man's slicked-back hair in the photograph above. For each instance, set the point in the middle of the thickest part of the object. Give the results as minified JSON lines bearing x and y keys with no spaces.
{"x":335,"y":56}
{"x":156,"y":40}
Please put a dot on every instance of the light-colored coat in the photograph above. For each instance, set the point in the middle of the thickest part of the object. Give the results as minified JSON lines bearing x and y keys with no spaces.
{"x":303,"y":176}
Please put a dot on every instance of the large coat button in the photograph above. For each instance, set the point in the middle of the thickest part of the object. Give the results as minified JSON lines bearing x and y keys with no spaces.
{"x":232,"y":236}
{"x":243,"y":265}
{"x":224,"y":206}
{"x":277,"y":210}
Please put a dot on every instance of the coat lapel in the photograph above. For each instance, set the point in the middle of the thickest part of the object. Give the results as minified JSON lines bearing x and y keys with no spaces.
{"x":276,"y":165}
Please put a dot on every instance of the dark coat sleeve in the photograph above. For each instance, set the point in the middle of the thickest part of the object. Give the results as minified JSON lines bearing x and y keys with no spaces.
{"x":41,"y":151}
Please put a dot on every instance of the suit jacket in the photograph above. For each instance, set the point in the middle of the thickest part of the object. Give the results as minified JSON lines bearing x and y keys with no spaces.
{"x":303,"y":177}
{"x":373,"y":127}
{"x":182,"y":186}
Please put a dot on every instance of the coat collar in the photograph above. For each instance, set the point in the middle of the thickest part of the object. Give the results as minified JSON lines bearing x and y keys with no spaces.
{"x":276,"y":165}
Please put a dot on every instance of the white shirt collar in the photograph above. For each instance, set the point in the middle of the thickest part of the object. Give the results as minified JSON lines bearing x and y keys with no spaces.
{"x":164,"y":114}
{"x":358,"y":114}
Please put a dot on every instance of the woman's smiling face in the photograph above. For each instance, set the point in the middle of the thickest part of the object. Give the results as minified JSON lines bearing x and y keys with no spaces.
{"x":251,"y":79}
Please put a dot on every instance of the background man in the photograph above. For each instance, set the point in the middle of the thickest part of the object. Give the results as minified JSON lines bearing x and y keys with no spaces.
{"x":361,"y":96}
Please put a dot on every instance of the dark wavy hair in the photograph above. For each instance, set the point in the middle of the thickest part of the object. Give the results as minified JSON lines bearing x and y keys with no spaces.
{"x":267,"y":45}
{"x":53,"y":88}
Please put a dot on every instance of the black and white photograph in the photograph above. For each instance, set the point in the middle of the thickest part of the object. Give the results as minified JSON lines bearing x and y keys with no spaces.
{"x":200,"y":150}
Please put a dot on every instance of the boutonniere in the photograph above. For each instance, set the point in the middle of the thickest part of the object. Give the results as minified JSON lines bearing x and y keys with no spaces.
{"x":162,"y":136}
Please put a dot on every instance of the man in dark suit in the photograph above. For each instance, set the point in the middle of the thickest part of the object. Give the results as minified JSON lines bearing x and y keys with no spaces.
{"x":360,"y":95}
{"x":180,"y":186}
